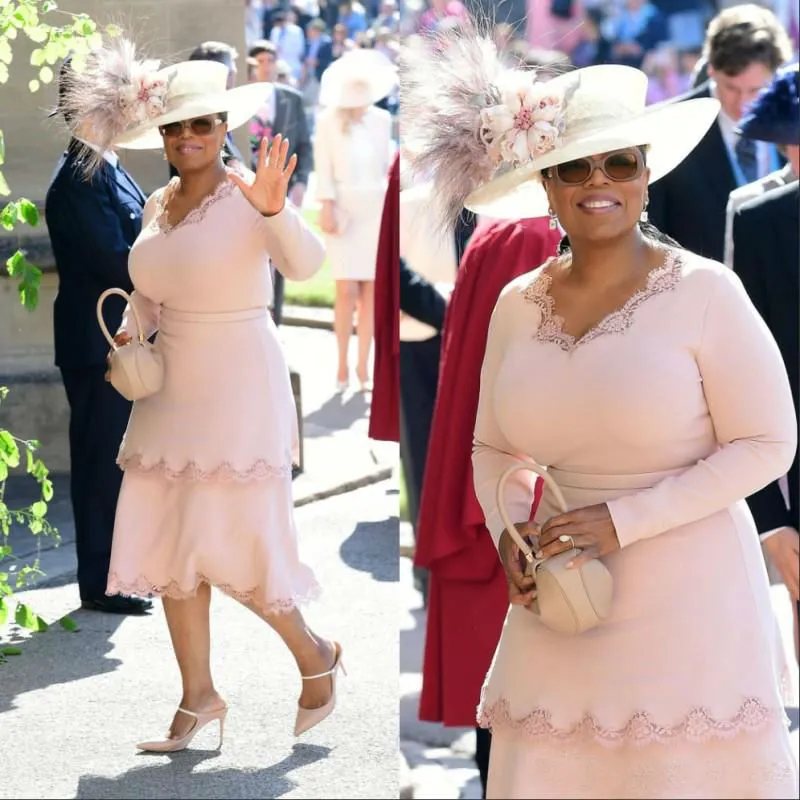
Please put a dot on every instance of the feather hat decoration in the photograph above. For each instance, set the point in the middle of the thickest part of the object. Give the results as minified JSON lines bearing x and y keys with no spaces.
{"x":775,"y":114}
{"x":112,"y":92}
{"x":466,"y":118}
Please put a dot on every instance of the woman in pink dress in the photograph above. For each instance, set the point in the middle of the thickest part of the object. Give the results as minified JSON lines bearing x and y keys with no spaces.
{"x":641,"y":376}
{"x":206,"y":497}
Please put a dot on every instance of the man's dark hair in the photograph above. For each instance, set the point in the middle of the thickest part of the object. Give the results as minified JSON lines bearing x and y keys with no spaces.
{"x":741,"y":36}
{"x":215,"y":51}
{"x":262,"y":46}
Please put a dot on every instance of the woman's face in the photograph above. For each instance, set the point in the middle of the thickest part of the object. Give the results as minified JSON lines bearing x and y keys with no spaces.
{"x":601,"y":197}
{"x":194,"y":144}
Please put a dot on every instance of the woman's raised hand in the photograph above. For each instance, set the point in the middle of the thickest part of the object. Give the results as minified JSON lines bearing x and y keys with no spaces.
{"x":268,"y":191}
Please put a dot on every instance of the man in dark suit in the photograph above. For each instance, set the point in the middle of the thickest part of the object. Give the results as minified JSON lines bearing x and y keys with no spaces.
{"x":92,"y":226}
{"x":744,"y":46}
{"x":766,"y":256}
{"x":283,"y":113}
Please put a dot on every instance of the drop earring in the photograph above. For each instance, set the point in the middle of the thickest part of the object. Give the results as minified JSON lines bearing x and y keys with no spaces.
{"x":553,"y":219}
{"x":643,"y":217}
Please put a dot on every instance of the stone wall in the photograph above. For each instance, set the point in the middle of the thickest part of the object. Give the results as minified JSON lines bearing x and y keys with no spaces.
{"x":164,"y":29}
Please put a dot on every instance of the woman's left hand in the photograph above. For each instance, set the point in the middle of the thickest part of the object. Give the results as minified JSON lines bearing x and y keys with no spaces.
{"x":589,"y":529}
{"x":267,"y":195}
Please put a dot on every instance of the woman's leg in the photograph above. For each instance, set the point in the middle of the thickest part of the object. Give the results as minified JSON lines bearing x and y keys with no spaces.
{"x":366,"y":326}
{"x":312,"y":654}
{"x":189,"y":628}
{"x":344,"y":306}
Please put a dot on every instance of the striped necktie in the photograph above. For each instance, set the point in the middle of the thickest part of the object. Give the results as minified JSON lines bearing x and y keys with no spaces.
{"x":746,"y":156}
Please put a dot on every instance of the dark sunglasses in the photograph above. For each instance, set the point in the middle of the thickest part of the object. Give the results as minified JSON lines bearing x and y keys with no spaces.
{"x":199,"y":126}
{"x":616,"y":167}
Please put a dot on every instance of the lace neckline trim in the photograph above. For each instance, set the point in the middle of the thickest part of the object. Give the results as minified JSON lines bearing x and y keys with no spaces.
{"x":551,"y":328}
{"x":195,"y":215}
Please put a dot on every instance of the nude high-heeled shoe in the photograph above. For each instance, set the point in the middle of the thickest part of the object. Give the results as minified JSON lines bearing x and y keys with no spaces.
{"x":307,"y":718}
{"x":201,"y":720}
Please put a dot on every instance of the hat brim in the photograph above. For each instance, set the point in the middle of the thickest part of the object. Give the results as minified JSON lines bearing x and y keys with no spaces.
{"x":240,"y":104}
{"x":671,"y":131}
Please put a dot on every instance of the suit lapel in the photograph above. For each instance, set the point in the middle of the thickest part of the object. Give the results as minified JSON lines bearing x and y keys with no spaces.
{"x":716,"y":162}
{"x":281,"y":112}
{"x":125,"y":183}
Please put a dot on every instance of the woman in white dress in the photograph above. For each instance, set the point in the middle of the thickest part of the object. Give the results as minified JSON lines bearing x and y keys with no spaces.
{"x":352,"y":150}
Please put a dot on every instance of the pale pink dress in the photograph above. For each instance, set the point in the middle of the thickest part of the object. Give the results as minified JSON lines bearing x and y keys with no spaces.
{"x":207,"y":490}
{"x":672,"y":411}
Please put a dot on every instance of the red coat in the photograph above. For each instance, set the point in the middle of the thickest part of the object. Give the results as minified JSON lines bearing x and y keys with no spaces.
{"x":384,"y":418}
{"x":468,"y":596}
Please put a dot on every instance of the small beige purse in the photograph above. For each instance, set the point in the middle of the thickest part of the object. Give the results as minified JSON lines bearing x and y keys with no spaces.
{"x":568,"y":601}
{"x":136,"y":369}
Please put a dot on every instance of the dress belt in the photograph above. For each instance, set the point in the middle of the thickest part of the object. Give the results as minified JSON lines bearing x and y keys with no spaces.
{"x":587,"y":480}
{"x":172,"y":315}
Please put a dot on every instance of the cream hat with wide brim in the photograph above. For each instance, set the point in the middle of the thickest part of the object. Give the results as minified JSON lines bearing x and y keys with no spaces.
{"x":358,"y":79}
{"x":605,"y":111}
{"x":196,"y":88}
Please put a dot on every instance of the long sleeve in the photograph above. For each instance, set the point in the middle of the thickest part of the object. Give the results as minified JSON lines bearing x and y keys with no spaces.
{"x":297,"y":252}
{"x":323,"y":157}
{"x":492,"y":454}
{"x":750,"y":403}
{"x":750,"y":260}
{"x":148,"y":310}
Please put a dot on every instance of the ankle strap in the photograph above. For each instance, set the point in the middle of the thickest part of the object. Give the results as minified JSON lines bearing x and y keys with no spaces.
{"x":321,"y":674}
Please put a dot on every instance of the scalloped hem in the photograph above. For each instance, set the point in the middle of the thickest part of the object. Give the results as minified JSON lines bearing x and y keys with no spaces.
{"x":142,"y":587}
{"x":224,"y":473}
{"x":697,"y":726}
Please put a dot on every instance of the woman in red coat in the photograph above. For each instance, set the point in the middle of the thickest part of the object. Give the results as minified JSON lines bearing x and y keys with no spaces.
{"x":468,"y":594}
{"x":384,"y":420}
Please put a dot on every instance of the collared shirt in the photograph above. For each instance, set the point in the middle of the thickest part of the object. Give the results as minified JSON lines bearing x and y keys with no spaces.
{"x":108,"y":155}
{"x":727,"y":128}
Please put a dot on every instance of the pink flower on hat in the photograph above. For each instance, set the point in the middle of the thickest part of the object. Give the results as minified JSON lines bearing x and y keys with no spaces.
{"x":527,"y":122}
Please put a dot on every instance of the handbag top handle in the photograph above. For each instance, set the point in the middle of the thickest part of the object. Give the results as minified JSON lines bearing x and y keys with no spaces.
{"x":529,"y":466}
{"x":109,"y":338}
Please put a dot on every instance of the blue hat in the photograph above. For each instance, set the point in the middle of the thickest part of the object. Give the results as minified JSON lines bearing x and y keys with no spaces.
{"x":775,"y":113}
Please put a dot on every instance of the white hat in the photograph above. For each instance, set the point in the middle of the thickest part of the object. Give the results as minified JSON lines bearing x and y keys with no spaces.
{"x":484,"y":132}
{"x":603,"y":110}
{"x":359,"y":78}
{"x":194,"y":89}
{"x":123,"y":99}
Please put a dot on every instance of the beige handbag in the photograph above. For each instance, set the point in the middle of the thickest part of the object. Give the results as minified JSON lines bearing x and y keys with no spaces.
{"x":568,"y":601}
{"x":136,"y":369}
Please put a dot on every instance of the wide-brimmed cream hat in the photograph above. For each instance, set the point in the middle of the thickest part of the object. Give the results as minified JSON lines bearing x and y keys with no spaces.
{"x":483,"y":132}
{"x":194,"y":89}
{"x":122,"y":99}
{"x":603,"y":110}
{"x":358,"y":79}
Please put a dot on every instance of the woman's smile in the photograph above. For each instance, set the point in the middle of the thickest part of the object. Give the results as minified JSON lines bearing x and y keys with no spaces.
{"x":597,"y":204}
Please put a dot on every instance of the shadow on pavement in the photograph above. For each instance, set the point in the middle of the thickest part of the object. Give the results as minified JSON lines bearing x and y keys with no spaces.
{"x":374,"y":547}
{"x":180,"y":777}
{"x":58,"y":656}
{"x":334,"y":414}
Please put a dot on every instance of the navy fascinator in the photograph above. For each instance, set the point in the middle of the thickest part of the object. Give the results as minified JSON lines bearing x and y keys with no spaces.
{"x":774,"y":116}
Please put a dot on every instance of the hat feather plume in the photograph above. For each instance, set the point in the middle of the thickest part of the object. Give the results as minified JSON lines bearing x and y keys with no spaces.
{"x":448,"y":80}
{"x":114,"y":90}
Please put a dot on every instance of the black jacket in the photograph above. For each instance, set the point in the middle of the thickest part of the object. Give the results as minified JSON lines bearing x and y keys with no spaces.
{"x":766,"y":256}
{"x":689,"y":203}
{"x":92,"y":226}
{"x":420,"y":299}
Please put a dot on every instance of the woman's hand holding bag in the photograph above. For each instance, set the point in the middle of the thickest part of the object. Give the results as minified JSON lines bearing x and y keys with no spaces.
{"x":135,"y":367}
{"x":567,"y":600}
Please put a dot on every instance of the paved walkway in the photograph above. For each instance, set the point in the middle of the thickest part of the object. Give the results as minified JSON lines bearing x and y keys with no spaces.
{"x":73,"y":705}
